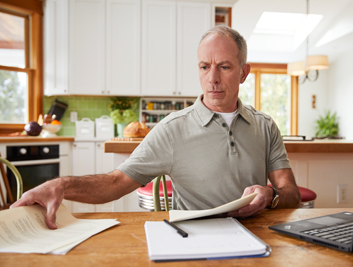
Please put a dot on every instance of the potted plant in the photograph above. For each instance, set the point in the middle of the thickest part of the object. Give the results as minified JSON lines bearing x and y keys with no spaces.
{"x":122,"y":112}
{"x":327,"y":126}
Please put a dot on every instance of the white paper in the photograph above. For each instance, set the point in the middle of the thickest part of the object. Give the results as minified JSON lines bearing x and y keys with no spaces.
{"x":180,"y":215}
{"x":210,"y":238}
{"x":23,"y":230}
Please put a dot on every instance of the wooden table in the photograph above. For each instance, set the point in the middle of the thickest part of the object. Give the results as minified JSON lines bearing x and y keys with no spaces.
{"x":125,"y":244}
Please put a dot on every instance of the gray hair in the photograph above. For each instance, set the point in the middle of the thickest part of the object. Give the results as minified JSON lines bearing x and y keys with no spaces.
{"x":238,"y":39}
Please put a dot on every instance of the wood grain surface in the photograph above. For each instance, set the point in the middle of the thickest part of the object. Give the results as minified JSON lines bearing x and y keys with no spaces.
{"x":125,"y":244}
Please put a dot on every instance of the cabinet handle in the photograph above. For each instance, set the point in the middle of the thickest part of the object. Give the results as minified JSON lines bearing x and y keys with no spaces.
{"x":102,"y":92}
{"x":179,"y":93}
{"x":108,"y":92}
{"x":174,"y":93}
{"x":99,"y":145}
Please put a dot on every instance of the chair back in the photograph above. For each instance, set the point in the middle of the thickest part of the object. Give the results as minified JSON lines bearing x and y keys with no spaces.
{"x":156,"y":197}
{"x":17,"y":176}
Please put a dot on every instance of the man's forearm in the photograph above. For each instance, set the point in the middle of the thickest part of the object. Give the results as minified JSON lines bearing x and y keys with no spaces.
{"x":98,"y":188}
{"x":289,"y":197}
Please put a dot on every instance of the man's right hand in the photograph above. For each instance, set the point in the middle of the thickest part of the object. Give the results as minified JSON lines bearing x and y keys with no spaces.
{"x":49,"y":195}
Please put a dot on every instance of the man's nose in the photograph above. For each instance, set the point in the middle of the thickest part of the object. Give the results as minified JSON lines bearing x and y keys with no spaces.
{"x":214,"y":76}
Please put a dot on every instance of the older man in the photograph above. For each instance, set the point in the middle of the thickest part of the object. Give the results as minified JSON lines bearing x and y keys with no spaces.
{"x":215,"y":151}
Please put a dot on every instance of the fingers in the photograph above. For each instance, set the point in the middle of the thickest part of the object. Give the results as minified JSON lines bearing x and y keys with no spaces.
{"x":51,"y":216}
{"x":48,"y":195}
{"x":255,"y":207}
{"x":23,"y":201}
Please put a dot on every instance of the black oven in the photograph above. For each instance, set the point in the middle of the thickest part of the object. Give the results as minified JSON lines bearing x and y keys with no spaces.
{"x":36,"y":164}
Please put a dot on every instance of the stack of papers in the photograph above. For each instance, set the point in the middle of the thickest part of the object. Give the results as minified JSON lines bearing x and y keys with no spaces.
{"x":23,"y":230}
{"x":181,"y":215}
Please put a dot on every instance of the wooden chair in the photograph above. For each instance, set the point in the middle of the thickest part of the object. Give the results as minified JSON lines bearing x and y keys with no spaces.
{"x":4,"y":203}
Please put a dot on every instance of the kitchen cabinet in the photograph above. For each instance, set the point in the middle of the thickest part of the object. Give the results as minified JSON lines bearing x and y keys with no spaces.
{"x":194,"y":20}
{"x":98,"y":47}
{"x":92,"y":47}
{"x":123,"y":46}
{"x":169,"y":47}
{"x":89,"y":158}
{"x":87,"y":46}
{"x":56,"y":47}
{"x":158,"y":48}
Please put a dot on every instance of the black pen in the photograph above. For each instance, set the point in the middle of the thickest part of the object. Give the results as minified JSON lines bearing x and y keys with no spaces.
{"x":179,"y":231}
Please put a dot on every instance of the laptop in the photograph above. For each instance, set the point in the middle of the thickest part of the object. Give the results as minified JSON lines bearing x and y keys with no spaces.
{"x":333,"y":231}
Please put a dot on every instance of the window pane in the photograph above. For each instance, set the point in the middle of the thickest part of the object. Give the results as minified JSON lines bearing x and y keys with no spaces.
{"x":275,"y":99}
{"x":12,"y":36}
{"x":13,"y":97}
{"x":247,"y":90}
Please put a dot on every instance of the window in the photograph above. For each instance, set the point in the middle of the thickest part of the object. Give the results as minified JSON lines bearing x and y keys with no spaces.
{"x":21,"y":83}
{"x":268,"y":88}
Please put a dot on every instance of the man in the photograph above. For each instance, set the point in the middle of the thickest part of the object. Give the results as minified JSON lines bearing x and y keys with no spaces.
{"x":215,"y":151}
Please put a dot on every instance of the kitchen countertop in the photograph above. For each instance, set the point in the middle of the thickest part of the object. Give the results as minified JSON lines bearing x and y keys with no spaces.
{"x":39,"y":139}
{"x":316,"y":146}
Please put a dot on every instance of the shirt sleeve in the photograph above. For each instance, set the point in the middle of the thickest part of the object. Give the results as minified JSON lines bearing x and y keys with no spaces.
{"x":153,"y":157}
{"x":278,"y":155}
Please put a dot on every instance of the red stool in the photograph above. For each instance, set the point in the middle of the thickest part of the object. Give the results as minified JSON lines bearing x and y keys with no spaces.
{"x":307,"y":197}
{"x":145,"y":195}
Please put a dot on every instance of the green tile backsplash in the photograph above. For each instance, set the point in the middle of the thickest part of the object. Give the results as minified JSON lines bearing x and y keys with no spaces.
{"x":85,"y":106}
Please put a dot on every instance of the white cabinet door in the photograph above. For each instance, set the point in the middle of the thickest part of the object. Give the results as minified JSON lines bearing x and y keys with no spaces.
{"x":104,"y":161}
{"x":123,"y":45}
{"x":87,"y":47}
{"x":83,"y":156}
{"x":56,"y":47}
{"x":158,"y":48}
{"x":83,"y":163}
{"x":194,"y":19}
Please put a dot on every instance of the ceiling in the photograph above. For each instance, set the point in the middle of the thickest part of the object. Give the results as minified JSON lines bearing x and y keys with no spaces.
{"x":333,"y":36}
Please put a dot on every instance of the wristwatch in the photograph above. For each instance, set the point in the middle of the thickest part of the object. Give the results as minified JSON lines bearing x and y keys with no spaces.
{"x":275,"y":199}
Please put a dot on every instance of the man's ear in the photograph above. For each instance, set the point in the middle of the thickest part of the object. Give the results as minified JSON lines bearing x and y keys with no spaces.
{"x":245,"y":72}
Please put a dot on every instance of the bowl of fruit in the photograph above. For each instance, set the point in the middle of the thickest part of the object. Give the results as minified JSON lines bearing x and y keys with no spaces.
{"x":50,"y":129}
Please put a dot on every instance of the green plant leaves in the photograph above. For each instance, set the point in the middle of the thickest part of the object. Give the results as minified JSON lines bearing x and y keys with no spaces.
{"x":327,"y":125}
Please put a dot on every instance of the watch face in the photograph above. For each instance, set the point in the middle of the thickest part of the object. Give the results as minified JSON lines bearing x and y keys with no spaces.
{"x":275,"y":202}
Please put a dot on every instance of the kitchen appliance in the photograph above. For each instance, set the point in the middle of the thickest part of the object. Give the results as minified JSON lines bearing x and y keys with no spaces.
{"x":36,"y":164}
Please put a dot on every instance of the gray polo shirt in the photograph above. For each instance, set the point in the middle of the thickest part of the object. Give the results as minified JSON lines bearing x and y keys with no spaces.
{"x":209,"y":163}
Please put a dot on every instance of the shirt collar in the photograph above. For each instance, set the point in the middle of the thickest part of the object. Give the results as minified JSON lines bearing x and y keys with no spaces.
{"x":206,"y":114}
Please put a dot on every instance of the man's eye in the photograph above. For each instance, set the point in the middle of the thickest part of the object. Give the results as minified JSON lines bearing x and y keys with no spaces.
{"x":204,"y":67}
{"x":224,"y":67}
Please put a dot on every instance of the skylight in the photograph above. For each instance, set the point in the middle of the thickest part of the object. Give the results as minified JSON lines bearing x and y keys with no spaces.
{"x":277,"y":31}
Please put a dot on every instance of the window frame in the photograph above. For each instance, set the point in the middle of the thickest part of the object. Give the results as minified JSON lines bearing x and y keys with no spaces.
{"x":32,"y":11}
{"x":268,"y":68}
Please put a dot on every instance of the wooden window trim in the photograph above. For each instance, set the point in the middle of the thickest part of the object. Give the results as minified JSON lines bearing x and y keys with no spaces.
{"x":260,"y":68}
{"x":32,"y":10}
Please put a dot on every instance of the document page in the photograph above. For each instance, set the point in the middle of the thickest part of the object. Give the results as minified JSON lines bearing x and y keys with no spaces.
{"x":180,"y":215}
{"x":23,"y":230}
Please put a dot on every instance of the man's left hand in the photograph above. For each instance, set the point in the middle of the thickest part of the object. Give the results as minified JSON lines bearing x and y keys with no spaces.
{"x":260,"y":202}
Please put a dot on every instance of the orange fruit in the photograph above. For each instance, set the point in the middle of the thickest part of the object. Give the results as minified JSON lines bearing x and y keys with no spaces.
{"x":56,"y":122}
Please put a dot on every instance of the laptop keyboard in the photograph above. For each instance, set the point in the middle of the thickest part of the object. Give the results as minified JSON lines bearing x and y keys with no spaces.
{"x":341,"y":233}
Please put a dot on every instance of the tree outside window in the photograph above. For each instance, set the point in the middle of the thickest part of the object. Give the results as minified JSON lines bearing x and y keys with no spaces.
{"x":270,"y":90}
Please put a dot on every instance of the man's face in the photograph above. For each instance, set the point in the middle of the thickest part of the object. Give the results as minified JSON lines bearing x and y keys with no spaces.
{"x":220,"y":73}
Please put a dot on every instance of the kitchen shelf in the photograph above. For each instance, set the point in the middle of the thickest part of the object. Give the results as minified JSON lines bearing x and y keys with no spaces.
{"x":157,"y":109}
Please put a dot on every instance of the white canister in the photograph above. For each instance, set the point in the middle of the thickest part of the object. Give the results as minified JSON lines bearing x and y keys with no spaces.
{"x":104,"y":128}
{"x":85,"y":129}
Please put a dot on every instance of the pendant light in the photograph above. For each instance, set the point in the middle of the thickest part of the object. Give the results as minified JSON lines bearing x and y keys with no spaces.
{"x":308,"y":70}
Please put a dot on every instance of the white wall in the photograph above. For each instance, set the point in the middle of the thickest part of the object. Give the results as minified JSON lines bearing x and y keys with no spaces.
{"x":308,"y":115}
{"x":340,"y":92}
